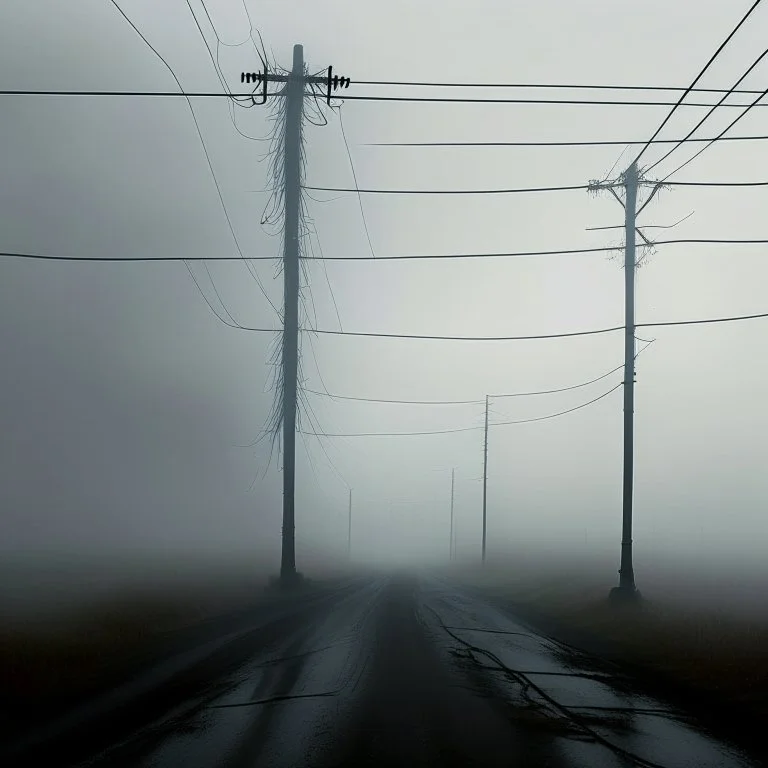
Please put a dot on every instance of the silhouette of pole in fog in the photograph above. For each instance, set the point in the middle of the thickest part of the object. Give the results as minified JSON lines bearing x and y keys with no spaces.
{"x":451,"y":547}
{"x":349,"y":527}
{"x":292,"y":176}
{"x":485,"y":473}
{"x":630,"y":180}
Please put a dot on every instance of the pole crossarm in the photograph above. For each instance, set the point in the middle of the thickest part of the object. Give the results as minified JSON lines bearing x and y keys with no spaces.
{"x":329,"y":80}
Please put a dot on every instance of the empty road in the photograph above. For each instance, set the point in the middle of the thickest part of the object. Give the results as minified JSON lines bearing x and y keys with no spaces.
{"x":400,"y":671}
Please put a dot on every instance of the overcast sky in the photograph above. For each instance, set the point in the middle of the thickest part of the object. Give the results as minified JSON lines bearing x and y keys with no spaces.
{"x":124,"y":399}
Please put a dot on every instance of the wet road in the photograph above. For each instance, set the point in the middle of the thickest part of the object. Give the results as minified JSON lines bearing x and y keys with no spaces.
{"x":400,"y":671}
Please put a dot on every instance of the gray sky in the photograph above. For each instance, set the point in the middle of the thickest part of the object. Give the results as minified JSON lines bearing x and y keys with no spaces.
{"x":124,"y":398}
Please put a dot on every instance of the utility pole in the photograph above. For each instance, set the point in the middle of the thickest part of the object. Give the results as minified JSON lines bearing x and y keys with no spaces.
{"x":630,"y":180}
{"x":450,"y":542}
{"x":485,"y":473}
{"x":349,"y":528}
{"x":292,"y":166}
{"x":294,"y":94}
{"x":626,"y":571}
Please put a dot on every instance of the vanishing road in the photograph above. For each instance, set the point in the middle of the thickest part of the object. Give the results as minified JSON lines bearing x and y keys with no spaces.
{"x":395,"y":671}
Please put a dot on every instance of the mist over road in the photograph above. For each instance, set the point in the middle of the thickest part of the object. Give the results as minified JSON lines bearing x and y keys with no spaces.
{"x":405,"y":670}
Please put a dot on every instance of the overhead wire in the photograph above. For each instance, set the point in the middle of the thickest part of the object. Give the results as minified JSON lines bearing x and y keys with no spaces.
{"x":357,"y":186}
{"x":312,"y":230}
{"x":716,"y":138}
{"x":543,"y":86}
{"x":416,"y":99}
{"x":200,"y":136}
{"x":473,"y":428}
{"x":477,"y":401}
{"x":217,"y":67}
{"x":711,"y":112}
{"x":407,"y":257}
{"x":519,"y":190}
{"x":595,"y":143}
{"x":697,"y":78}
{"x":359,"y":191}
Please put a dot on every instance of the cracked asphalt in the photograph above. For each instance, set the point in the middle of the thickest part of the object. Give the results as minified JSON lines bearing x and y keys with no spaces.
{"x":402,"y":671}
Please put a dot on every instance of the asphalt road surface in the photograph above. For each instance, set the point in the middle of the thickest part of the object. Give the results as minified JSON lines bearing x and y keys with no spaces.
{"x":392,"y":671}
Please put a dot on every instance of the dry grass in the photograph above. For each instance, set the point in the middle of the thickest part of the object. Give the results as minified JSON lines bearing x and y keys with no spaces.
{"x":74,"y":658}
{"x":54,"y":661}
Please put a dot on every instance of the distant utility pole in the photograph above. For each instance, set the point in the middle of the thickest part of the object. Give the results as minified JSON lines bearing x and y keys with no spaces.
{"x":485,"y":473}
{"x":292,"y":165}
{"x":630,"y":181}
{"x":450,"y":542}
{"x":349,"y":527}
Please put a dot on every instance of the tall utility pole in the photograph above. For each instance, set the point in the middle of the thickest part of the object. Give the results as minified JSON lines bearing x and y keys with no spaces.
{"x":450,"y":542}
{"x":630,"y":180}
{"x":292,"y":164}
{"x":626,"y":571}
{"x":294,"y":94}
{"x":485,"y":473}
{"x":349,"y":527}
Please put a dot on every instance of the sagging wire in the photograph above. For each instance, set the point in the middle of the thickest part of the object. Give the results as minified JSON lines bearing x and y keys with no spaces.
{"x":314,"y":231}
{"x":170,"y":69}
{"x":245,"y":102}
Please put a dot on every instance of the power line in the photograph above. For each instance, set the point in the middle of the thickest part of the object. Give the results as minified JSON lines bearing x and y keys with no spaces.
{"x":597,"y":143}
{"x":716,"y":183}
{"x":465,"y":338}
{"x":709,"y":114}
{"x":518,"y":190}
{"x":44,"y":257}
{"x":468,"y":429}
{"x":559,"y":413}
{"x":397,"y":402}
{"x":565,"y":252}
{"x":354,"y":179}
{"x":429,"y":257}
{"x":696,"y":79}
{"x":560,"y":389}
{"x":711,"y":320}
{"x":404,"y":258}
{"x":561,"y":86}
{"x":202,"y":143}
{"x":563,"y":102}
{"x":423,"y":99}
{"x":445,"y":191}
{"x":466,"y":402}
{"x":593,"y":332}
{"x":718,"y":137}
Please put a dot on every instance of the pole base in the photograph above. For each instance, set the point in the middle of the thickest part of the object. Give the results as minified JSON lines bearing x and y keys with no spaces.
{"x":287,"y":580}
{"x":624,"y":595}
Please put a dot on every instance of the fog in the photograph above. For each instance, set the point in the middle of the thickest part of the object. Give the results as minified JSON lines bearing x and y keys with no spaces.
{"x":125,"y":402}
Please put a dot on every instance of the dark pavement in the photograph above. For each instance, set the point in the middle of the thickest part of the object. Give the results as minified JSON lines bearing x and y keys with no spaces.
{"x":411,"y":672}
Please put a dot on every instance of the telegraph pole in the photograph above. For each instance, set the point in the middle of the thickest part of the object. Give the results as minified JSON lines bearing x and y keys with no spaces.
{"x":450,"y":542}
{"x":292,"y":165}
{"x":294,"y":94}
{"x":626,"y":571}
{"x":485,"y":473}
{"x":349,"y":528}
{"x":630,"y":180}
